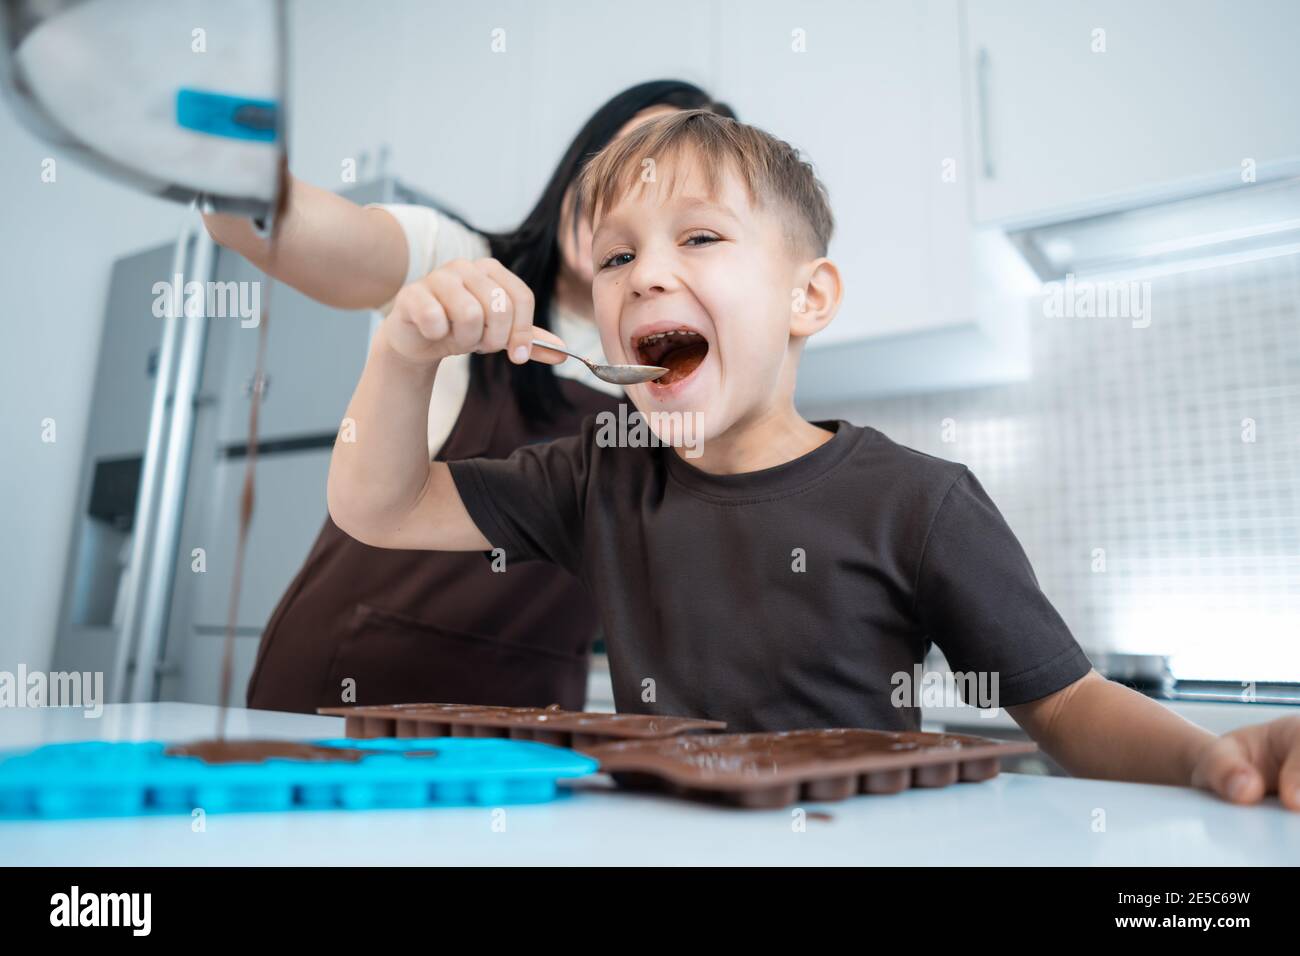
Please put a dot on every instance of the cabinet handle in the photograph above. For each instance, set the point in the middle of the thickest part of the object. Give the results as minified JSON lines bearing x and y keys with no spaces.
{"x":982,"y":105}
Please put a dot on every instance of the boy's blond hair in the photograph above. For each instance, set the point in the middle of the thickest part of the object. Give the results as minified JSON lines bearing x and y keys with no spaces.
{"x":770,"y":169}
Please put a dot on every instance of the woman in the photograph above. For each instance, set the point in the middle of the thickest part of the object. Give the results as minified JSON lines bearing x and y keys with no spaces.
{"x":370,"y":626}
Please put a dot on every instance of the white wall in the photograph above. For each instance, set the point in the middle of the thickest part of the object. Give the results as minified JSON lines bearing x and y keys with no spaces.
{"x":479,"y":129}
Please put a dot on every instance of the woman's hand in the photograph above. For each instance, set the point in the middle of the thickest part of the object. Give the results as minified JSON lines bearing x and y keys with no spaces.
{"x":1244,"y":765}
{"x":464,"y":306}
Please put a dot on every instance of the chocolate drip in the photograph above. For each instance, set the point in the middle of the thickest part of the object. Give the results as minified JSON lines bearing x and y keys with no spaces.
{"x":246,"y":498}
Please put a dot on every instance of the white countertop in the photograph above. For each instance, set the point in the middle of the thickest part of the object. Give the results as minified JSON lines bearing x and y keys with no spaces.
{"x":1014,"y":819}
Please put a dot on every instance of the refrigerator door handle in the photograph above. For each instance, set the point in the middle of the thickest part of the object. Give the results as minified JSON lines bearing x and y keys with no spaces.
{"x":156,"y":594}
{"x":150,"y":570}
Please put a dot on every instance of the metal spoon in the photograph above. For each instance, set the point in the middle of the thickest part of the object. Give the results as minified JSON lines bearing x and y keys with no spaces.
{"x":614,"y":374}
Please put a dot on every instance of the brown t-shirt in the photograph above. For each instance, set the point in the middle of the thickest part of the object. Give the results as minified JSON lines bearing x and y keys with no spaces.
{"x":782,"y":598}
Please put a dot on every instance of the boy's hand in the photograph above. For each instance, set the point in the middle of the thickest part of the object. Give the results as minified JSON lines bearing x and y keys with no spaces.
{"x":1246,"y":764}
{"x":464,"y":306}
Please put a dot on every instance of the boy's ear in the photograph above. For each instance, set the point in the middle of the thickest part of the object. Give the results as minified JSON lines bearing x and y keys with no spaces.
{"x":816,"y":299}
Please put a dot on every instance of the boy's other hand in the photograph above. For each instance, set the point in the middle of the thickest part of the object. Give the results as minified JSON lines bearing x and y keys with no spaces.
{"x":1246,"y":764}
{"x":464,"y":306}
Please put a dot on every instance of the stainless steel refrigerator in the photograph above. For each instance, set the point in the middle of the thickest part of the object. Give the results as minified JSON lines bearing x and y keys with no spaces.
{"x":148,"y":577}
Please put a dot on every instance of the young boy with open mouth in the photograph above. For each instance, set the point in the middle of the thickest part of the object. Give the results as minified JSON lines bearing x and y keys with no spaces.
{"x":777,"y":573}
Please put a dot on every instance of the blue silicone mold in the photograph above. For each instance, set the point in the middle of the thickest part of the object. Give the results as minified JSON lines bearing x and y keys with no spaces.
{"x":95,"y":779}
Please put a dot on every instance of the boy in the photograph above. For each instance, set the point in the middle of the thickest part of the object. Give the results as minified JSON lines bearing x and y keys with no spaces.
{"x":767,"y":571}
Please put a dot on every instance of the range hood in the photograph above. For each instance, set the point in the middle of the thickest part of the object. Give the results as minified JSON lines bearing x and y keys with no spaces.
{"x":1247,"y":222}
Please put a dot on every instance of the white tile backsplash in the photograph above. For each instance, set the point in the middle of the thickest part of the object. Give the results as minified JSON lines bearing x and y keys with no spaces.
{"x":1131,"y":440}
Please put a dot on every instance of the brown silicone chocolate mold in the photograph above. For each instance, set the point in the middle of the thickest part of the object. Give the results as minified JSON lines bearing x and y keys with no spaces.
{"x":777,"y":769}
{"x":549,"y":725}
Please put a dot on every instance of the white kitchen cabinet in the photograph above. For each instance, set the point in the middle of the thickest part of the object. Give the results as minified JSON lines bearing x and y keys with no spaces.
{"x":887,"y":74}
{"x":875,"y":100}
{"x":1080,"y":108}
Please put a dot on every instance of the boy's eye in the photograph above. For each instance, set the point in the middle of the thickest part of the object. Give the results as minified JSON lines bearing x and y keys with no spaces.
{"x":613,"y":260}
{"x":704,"y":238}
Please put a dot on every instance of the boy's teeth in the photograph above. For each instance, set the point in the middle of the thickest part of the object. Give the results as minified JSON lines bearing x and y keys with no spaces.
{"x":659,"y":335}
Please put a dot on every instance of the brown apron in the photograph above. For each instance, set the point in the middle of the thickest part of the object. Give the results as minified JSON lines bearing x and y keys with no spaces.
{"x":442,"y":626}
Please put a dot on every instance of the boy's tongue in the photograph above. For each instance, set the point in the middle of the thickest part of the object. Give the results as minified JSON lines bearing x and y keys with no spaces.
{"x":680,"y":353}
{"x":682,"y":361}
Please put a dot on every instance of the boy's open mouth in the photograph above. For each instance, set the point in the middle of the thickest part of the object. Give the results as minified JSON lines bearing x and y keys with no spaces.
{"x":679,"y":350}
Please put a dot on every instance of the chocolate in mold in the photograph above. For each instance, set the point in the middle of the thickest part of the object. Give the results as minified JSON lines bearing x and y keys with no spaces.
{"x":578,"y":730}
{"x":260,"y":751}
{"x":768,"y":770}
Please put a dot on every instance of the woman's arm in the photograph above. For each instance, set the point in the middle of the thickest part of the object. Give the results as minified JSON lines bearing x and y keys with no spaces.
{"x":327,"y":247}
{"x":382,"y":488}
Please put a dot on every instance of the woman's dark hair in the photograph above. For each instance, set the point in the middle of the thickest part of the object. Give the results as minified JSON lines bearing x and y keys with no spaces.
{"x":532,"y":251}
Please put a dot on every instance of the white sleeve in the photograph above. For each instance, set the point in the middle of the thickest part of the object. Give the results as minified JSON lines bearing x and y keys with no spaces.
{"x":433,"y":238}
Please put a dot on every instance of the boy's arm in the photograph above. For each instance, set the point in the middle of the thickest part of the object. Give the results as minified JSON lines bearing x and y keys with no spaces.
{"x":1097,"y":728}
{"x":383,"y":490}
{"x":1086,"y":727}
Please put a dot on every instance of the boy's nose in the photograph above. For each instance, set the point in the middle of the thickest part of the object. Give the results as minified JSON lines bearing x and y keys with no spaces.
{"x":650,"y":276}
